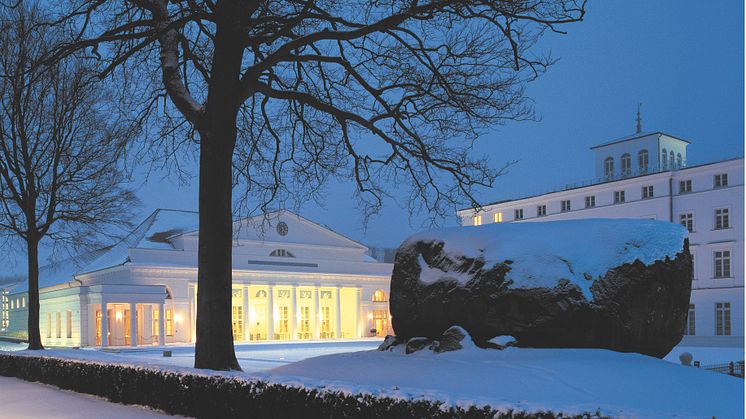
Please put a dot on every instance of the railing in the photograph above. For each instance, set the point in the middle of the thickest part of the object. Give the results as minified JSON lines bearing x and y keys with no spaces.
{"x":731,"y":368}
{"x":619,"y":175}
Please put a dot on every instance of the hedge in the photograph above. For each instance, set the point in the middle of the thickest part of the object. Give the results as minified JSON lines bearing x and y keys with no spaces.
{"x":220,"y":396}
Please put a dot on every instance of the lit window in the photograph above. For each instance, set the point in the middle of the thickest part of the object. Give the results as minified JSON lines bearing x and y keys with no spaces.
{"x":477,"y":220}
{"x":722,"y":220}
{"x":541,"y":210}
{"x":565,"y":205}
{"x":519,"y":214}
{"x":618,"y":197}
{"x":169,"y":322}
{"x":721,"y":180}
{"x":498,"y":217}
{"x":58,"y":323}
{"x":642,"y":161}
{"x":722,"y":264}
{"x":282,"y":253}
{"x":49,"y":325}
{"x":687,"y":220}
{"x":722,"y":319}
{"x":647,"y":192}
{"x":380,"y":296}
{"x":69,"y":324}
{"x":690,"y":321}
{"x":23,"y":302}
{"x":664,"y":159}
{"x":626,"y":165}
{"x":609,"y":167}
{"x":685,"y":186}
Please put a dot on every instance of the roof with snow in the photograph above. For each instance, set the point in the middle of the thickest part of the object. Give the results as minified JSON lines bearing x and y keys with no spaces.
{"x":636,"y":136}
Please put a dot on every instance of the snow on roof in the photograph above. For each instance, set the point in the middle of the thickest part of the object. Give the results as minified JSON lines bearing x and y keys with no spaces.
{"x":59,"y":272}
{"x":543,"y":253}
{"x":636,"y":136}
{"x":153,"y":233}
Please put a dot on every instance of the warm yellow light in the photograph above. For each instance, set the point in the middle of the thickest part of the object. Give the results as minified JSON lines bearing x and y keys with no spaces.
{"x":477,"y":220}
{"x":252,"y":314}
{"x":498,"y":217}
{"x":177,"y":317}
{"x":118,"y":315}
{"x":370,"y":316}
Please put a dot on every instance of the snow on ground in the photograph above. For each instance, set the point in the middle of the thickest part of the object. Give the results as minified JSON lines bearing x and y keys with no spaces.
{"x":251,"y":356}
{"x":21,"y":399}
{"x":562,"y":380}
{"x":12,"y":346}
{"x":587,"y":248}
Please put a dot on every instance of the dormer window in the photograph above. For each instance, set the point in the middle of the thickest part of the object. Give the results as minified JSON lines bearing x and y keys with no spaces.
{"x":679,"y":161}
{"x":671,"y":160}
{"x":626,"y":165}
{"x":642,"y":161}
{"x":282,"y":253}
{"x":664,"y":159}
{"x":609,"y":167}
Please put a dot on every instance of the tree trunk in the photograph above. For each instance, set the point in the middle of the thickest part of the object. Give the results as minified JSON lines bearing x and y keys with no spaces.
{"x":214,"y":341}
{"x":34,"y":336}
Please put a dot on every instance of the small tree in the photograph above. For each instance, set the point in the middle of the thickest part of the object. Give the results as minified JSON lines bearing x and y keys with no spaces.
{"x":60,"y":176}
{"x":284,"y":95}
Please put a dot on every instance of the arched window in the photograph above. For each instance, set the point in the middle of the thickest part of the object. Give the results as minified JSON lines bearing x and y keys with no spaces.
{"x":626,"y":165}
{"x":642,"y":161}
{"x":282,"y":253}
{"x":609,"y":167}
{"x":664,"y":160}
{"x":679,"y":162}
{"x":380,"y":296}
{"x":671,"y":161}
{"x":261,"y":294}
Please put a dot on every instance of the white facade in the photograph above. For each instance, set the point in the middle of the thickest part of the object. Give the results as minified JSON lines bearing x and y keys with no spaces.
{"x":292,"y":279}
{"x":708,"y":198}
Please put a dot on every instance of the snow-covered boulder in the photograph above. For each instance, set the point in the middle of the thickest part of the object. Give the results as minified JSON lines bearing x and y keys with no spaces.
{"x":603,"y":283}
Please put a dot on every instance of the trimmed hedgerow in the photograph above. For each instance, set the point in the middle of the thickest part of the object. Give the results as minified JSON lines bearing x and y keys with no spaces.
{"x":216,"y":396}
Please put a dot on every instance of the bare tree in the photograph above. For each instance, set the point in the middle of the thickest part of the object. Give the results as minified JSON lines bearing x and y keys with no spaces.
{"x":283,"y":95}
{"x":60,"y":176}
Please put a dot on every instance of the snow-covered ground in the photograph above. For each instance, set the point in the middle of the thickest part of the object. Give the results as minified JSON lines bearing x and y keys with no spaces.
{"x":251,"y":356}
{"x":21,"y":399}
{"x":561,"y":380}
{"x":707,"y":355}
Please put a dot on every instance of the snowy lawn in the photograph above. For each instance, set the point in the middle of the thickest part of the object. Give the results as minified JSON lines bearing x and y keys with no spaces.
{"x":251,"y":356}
{"x":21,"y":399}
{"x":561,"y":380}
{"x":707,"y":355}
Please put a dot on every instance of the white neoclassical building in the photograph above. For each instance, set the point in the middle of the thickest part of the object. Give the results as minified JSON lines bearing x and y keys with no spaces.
{"x":646,"y":175}
{"x":292,"y":279}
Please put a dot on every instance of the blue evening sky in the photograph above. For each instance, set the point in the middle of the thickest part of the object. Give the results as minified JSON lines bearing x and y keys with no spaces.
{"x":683,"y":61}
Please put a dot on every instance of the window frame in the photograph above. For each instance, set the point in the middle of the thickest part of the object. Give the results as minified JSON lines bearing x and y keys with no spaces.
{"x":686,"y":222}
{"x":590,"y":201}
{"x":643,"y":161}
{"x":723,"y":218}
{"x":723,"y":318}
{"x":722,"y":261}
{"x":625,"y":163}
{"x":619,"y":197}
{"x":720,"y":180}
{"x":609,"y":167}
{"x":565,"y":205}
{"x":685,"y":186}
{"x":648,"y":192}
{"x":518,"y":214}
{"x":541,"y":210}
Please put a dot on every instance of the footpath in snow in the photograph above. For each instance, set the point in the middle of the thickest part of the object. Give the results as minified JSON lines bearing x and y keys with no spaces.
{"x":21,"y":400}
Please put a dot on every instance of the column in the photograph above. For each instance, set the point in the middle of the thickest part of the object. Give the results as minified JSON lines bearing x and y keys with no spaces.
{"x":246,"y":324}
{"x":133,"y":324}
{"x":104,"y":324}
{"x":338,"y":330}
{"x":294,"y":313}
{"x":161,"y":325}
{"x":271,"y":314}
{"x":316,"y":314}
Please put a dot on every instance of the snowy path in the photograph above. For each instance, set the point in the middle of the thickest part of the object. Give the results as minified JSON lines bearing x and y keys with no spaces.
{"x":21,"y":399}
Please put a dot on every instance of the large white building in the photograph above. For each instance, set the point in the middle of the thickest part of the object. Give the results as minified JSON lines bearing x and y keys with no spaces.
{"x":292,"y":279}
{"x":646,"y":176}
